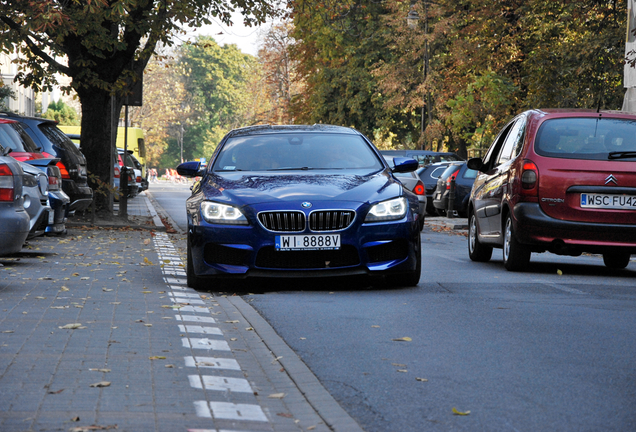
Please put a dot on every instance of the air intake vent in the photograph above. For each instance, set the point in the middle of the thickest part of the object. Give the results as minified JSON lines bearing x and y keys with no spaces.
{"x":289,"y":221}
{"x":330,"y":220}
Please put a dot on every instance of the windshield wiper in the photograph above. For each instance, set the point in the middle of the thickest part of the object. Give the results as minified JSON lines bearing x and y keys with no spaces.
{"x":621,"y":154}
{"x":305,"y":168}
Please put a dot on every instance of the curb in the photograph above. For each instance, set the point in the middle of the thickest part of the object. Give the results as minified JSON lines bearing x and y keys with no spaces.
{"x":334,"y":416}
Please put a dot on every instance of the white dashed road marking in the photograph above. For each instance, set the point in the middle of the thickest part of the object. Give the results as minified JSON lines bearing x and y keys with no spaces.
{"x":172,"y":268}
{"x":200,"y":329}
{"x":211,"y":362}
{"x":220,"y":383}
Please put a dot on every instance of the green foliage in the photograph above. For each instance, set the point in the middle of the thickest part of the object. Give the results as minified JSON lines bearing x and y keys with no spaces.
{"x":217,"y":80}
{"x":338,"y":44}
{"x":62,"y":113}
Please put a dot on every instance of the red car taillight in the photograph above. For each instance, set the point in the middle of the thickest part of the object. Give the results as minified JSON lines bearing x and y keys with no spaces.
{"x":138,"y":179}
{"x":63,"y":170}
{"x":419,"y":188}
{"x":6,"y":183}
{"x":529,"y":179}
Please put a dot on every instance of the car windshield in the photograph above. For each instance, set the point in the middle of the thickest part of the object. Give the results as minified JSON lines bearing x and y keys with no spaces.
{"x":587,"y":138}
{"x":296,"y":151}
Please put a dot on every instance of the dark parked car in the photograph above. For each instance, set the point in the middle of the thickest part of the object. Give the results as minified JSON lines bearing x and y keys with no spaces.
{"x":424,"y":157}
{"x":54,"y":143}
{"x":301,"y":201}
{"x":562,"y":181}
{"x":429,"y":175}
{"x":14,"y":226}
{"x":464,"y":178}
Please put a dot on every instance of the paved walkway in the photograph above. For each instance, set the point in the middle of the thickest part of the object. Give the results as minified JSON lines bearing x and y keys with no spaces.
{"x":98,"y":331}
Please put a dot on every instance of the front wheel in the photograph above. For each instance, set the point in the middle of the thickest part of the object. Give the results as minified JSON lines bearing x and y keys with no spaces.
{"x":412,"y":278}
{"x":515,"y":255}
{"x":192,"y":279}
{"x":476,"y":250}
{"x":616,"y":260}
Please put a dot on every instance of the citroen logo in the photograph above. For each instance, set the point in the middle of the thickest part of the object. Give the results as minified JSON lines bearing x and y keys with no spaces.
{"x":306,"y":204}
{"x":611,"y":179}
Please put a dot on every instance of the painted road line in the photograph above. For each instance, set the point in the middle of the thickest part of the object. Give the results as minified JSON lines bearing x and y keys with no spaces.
{"x":218,"y":383}
{"x":211,"y":362}
{"x":187,"y":300}
{"x":231,"y":411}
{"x":191,"y":295}
{"x":200,"y":329}
{"x":208,"y":344}
{"x":195,"y":318}
{"x":195,"y":309}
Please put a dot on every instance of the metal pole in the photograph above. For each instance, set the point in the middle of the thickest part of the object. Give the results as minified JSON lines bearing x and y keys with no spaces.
{"x":123,"y":179}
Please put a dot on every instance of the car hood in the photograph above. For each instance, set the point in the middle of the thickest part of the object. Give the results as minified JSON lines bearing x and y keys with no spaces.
{"x":254,"y":188}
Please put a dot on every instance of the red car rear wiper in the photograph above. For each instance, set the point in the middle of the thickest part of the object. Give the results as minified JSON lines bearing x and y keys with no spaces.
{"x":621,"y":154}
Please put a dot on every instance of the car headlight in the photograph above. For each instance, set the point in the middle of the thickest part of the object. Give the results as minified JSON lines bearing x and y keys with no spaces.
{"x":222,"y":214}
{"x":394,"y":209}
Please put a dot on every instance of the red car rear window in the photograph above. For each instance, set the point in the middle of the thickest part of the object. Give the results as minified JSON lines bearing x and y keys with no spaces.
{"x":587,"y":138}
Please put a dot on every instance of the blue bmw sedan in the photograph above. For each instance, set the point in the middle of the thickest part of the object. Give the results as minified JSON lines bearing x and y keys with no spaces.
{"x":300,"y":201}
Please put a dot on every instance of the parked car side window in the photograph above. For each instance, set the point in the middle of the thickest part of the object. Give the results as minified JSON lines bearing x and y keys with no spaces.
{"x":513,"y":143}
{"x":491,"y":158}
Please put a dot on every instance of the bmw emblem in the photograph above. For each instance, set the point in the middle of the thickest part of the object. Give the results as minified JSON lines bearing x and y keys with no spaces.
{"x":306,"y":205}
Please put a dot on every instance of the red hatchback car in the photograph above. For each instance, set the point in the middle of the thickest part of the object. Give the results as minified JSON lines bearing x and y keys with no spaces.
{"x":562,"y":181}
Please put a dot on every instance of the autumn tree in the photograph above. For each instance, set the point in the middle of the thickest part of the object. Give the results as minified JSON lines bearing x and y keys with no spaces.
{"x":62,"y":113}
{"x":104,"y":46}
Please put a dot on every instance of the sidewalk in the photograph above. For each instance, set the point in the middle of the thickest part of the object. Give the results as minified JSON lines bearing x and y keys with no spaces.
{"x":98,"y":331}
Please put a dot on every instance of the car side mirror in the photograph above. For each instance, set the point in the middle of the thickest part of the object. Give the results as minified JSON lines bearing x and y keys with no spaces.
{"x":476,"y":164}
{"x":190,"y":169}
{"x":404,"y":165}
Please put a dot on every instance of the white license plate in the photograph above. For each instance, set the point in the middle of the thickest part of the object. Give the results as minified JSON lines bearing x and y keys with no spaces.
{"x":608,"y":201}
{"x":308,"y":242}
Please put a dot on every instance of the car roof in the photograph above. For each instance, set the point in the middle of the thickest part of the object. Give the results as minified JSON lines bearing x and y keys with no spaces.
{"x":23,"y":117}
{"x":264,"y":129}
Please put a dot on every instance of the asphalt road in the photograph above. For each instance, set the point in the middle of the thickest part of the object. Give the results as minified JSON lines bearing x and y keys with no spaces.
{"x":551,"y":348}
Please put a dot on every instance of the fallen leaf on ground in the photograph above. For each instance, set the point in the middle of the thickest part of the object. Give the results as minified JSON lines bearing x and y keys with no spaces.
{"x":64,"y":289}
{"x":157,"y":358}
{"x":402,"y":339}
{"x":287,"y":415}
{"x":402,"y":370}
{"x":232,"y":321}
{"x":398,"y":365}
{"x":99,"y":370}
{"x":71,"y":326}
{"x":8,"y":331}
{"x":457,"y":412}
{"x":276,"y":395}
{"x":421,"y":379}
{"x":57,"y":391}
{"x":100,"y":384}
{"x":559,"y":272}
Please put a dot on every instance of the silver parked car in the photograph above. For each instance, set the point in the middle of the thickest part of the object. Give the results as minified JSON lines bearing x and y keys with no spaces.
{"x":35,"y":192}
{"x":14,"y":220}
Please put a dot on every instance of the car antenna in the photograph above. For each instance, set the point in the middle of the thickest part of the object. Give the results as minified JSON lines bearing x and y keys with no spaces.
{"x":600,"y":100}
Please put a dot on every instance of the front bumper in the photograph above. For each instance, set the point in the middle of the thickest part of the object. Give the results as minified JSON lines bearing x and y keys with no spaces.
{"x":534,"y":227}
{"x":81,"y":196}
{"x":249,"y":251}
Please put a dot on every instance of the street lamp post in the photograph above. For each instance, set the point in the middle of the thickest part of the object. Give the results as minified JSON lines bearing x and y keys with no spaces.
{"x":412,"y":20}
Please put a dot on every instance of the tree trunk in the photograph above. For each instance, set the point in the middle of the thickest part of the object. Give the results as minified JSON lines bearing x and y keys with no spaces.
{"x":98,"y":120}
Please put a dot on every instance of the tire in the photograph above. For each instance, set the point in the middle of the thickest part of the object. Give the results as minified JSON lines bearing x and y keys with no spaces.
{"x":412,"y":278}
{"x":440,"y":212}
{"x":515,"y":255}
{"x":616,"y":260}
{"x":192,"y":279}
{"x":476,"y":251}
